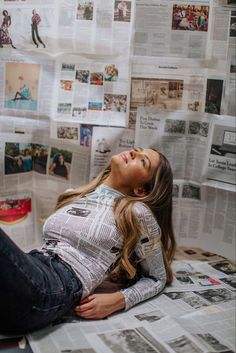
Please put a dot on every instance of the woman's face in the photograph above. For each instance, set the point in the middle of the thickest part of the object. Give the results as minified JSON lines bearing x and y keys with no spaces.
{"x":133,"y":169}
{"x":61,"y":159}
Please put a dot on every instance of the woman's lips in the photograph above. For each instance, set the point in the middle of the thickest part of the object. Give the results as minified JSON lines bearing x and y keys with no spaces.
{"x":124,"y":157}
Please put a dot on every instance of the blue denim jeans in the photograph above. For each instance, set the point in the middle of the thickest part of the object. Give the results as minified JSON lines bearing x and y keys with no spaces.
{"x":35,"y":289}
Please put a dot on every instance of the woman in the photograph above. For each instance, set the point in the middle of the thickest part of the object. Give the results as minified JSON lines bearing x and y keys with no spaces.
{"x":4,"y":33}
{"x":24,"y":91}
{"x":58,"y":166}
{"x":120,"y":223}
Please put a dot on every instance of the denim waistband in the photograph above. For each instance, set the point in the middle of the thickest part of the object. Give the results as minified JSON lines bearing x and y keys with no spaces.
{"x":58,"y":262}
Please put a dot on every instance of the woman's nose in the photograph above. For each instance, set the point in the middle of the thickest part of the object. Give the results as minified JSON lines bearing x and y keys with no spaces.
{"x":132,"y":154}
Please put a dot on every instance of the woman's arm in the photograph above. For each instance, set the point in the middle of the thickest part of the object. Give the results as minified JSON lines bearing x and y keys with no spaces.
{"x":149,"y":252}
{"x":52,"y":167}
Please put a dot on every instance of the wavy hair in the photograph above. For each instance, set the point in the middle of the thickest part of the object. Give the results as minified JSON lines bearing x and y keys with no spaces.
{"x":158,"y":198}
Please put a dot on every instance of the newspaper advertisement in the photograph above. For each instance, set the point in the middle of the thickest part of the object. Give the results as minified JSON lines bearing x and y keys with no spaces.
{"x":93,"y":91}
{"x":221,"y":161}
{"x":106,"y":142}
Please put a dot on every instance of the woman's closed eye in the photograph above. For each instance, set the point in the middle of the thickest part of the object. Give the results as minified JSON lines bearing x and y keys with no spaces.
{"x":143,"y":162}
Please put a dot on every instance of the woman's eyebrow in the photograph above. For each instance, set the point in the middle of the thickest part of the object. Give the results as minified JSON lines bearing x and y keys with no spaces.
{"x":146,"y":156}
{"x":149,"y":161}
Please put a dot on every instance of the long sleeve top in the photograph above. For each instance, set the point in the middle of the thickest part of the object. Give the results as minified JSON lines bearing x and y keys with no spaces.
{"x":84,"y":235}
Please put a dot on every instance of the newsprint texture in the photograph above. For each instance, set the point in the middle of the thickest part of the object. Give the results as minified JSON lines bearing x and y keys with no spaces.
{"x":83,"y":80}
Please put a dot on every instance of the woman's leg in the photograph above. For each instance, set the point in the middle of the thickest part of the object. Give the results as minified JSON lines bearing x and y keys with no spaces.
{"x":34,"y":289}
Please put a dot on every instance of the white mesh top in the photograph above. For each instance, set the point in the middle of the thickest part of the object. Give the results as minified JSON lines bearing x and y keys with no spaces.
{"x":84,"y":235}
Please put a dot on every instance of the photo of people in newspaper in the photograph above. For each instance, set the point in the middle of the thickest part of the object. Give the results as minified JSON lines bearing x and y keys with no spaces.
{"x":122,"y":11}
{"x":39,"y":157}
{"x":198,"y":128}
{"x":18,"y":158}
{"x":126,"y":341}
{"x":102,"y":146}
{"x":175,"y":126}
{"x":189,"y":298}
{"x":60,"y":163}
{"x":67,"y":132}
{"x":230,"y":281}
{"x":36,"y":20}
{"x":213,"y":96}
{"x":96,"y":78}
{"x":79,"y":112}
{"x":183,"y":344}
{"x":232,"y":32}
{"x":111,"y":73}
{"x":66,"y":85}
{"x":195,"y":278}
{"x":162,"y":93}
{"x":190,"y":17}
{"x":150,"y":316}
{"x":64,"y":108}
{"x":213,"y":342}
{"x":86,"y":132}
{"x":14,"y":209}
{"x":5,"y":36}
{"x":191,"y":191}
{"x":217,"y":295}
{"x":82,"y":76}
{"x":224,"y":266}
{"x":85,"y":10}
{"x":21,"y":86}
{"x":115,"y":102}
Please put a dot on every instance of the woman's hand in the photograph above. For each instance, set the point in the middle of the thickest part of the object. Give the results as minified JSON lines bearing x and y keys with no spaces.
{"x":99,"y":306}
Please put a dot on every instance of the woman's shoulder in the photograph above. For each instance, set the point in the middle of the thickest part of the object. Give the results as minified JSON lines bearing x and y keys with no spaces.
{"x":142,"y":210}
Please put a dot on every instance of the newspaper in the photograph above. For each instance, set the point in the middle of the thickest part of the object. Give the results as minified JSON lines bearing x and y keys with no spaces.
{"x":68,"y":66}
{"x":200,"y":149}
{"x":195,"y":313}
{"x":26,"y":85}
{"x":92,"y":90}
{"x":171,"y":28}
{"x":146,"y":330}
{"x":178,"y":84}
{"x":105,"y":143}
{"x":35,"y":169}
{"x":70,"y":26}
{"x":185,"y":137}
{"x":101,"y":27}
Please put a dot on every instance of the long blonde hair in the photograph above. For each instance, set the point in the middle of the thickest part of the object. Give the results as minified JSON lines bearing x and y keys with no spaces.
{"x":158,"y":198}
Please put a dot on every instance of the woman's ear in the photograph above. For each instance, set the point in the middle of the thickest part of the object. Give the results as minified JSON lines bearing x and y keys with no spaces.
{"x":140,"y":191}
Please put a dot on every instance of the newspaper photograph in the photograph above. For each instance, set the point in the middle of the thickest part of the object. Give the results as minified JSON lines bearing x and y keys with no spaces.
{"x":29,"y":27}
{"x":26,"y":88}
